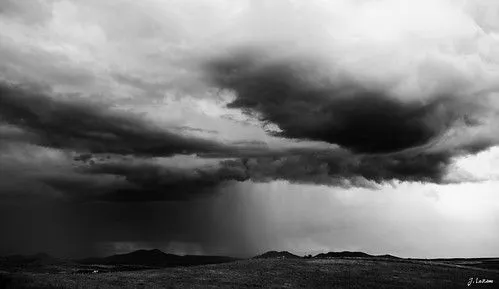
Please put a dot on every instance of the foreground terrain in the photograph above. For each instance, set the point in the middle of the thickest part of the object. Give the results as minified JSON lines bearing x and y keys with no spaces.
{"x":273,"y":273}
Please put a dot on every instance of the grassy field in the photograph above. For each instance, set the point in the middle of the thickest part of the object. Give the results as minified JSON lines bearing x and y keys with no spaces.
{"x":271,"y":273}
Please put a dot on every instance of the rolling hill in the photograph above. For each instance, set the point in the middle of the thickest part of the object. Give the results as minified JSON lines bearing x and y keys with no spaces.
{"x":277,"y":255}
{"x":156,"y":258}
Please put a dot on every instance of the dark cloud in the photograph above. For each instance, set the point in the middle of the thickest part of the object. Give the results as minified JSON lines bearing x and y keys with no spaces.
{"x":81,"y":188}
{"x":383,"y":137}
{"x":10,"y":133}
{"x":188,"y":128}
{"x":78,"y":126}
{"x":84,"y":126}
{"x":343,"y":169}
{"x":120,"y":181}
{"x":143,"y":180}
{"x":30,"y":114}
{"x":150,"y":181}
{"x":305,"y":105}
{"x":153,"y":182}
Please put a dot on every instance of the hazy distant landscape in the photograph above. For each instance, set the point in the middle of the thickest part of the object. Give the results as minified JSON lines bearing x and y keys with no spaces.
{"x":274,"y":269}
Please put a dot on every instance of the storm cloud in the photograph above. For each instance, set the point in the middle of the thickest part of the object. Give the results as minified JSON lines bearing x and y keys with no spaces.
{"x":383,"y":136}
{"x":350,"y":170}
{"x":352,"y":115}
{"x":86,"y":126}
{"x":149,"y":181}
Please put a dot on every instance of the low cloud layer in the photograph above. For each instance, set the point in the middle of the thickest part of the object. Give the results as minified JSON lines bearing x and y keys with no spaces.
{"x":76,"y":124}
{"x":152,"y":182}
{"x":374,"y":146}
{"x":351,"y":170}
{"x":40,"y":119}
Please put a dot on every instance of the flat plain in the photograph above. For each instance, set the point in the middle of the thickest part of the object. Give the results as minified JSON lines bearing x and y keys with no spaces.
{"x":274,"y":273}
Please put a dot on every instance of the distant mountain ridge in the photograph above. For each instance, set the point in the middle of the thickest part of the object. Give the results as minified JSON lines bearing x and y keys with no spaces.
{"x":41,"y":262}
{"x":277,"y":254}
{"x":156,"y":258}
{"x":343,"y":254}
{"x":350,"y":254}
{"x":40,"y":258}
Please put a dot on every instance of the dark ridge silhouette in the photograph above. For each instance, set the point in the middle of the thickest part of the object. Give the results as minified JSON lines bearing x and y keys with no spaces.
{"x":350,"y":254}
{"x":41,"y":263}
{"x":40,"y":258}
{"x":277,"y":255}
{"x":156,"y":258}
{"x":343,"y":254}
{"x":388,"y":256}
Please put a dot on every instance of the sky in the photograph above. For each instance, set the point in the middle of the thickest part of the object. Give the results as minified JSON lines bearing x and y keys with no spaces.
{"x":234,"y":127}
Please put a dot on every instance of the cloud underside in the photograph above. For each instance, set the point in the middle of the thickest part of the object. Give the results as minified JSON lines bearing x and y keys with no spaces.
{"x":381,"y":138}
{"x":306,"y":105}
{"x":333,"y":93}
{"x":82,"y":126}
